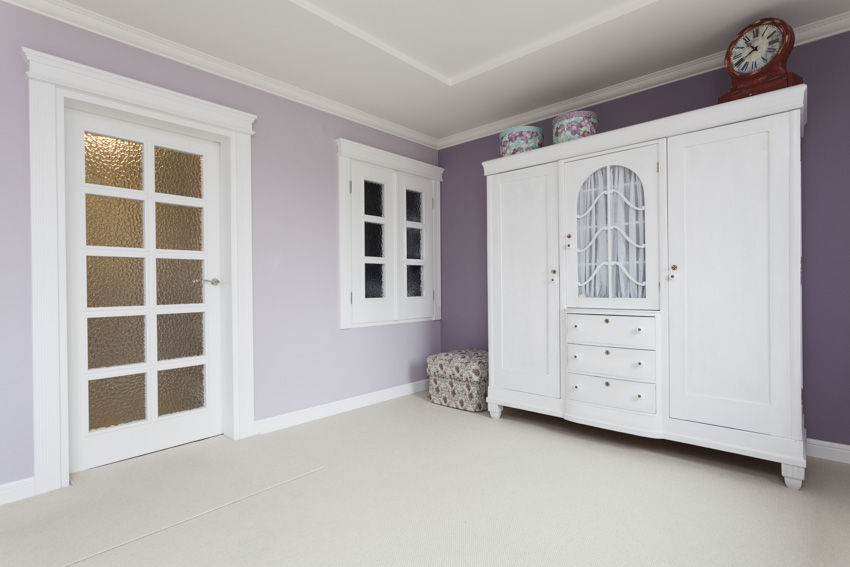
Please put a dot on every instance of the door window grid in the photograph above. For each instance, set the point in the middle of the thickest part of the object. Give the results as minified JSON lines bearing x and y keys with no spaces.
{"x":149,"y":198}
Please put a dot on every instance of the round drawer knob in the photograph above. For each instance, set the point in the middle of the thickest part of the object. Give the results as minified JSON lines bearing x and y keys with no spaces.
{"x":672,"y":276}
{"x":576,"y":386}
{"x":575,"y":356}
{"x":576,"y":325}
{"x":607,"y":352}
{"x":607,"y":384}
{"x":607,"y":320}
{"x":640,"y":396}
{"x":569,"y":245}
{"x":640,"y":329}
{"x":640,"y":363}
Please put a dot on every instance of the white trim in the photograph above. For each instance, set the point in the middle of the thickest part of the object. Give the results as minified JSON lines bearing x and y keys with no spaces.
{"x":389,"y":160}
{"x":270,"y":424}
{"x":56,"y":84}
{"x":828,"y":450}
{"x":566,"y":32}
{"x":17,"y":490}
{"x":135,"y":37}
{"x":792,"y":98}
{"x":113,"y":29}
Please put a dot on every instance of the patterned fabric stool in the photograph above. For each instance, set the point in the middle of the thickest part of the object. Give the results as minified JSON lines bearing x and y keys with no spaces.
{"x":458,"y":379}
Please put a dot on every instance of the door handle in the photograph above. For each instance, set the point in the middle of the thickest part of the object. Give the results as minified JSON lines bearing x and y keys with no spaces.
{"x":214,"y":281}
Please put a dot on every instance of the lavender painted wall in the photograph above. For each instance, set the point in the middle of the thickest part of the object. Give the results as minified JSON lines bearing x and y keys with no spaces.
{"x":826,"y":200}
{"x":302,"y":359}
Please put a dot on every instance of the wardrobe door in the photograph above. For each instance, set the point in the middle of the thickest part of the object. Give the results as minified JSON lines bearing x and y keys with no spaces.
{"x":523,"y":280}
{"x":612,"y":223}
{"x":734,"y":275}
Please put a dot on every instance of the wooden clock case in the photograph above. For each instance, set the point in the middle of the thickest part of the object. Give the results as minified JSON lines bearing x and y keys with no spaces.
{"x":771,"y":77}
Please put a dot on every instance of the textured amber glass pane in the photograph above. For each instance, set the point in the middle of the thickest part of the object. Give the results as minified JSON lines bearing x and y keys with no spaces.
{"x":414,"y":281}
{"x":113,"y":162}
{"x":114,"y":282}
{"x":175,"y":281}
{"x":374,"y":239}
{"x":177,"y":173}
{"x":179,"y":335}
{"x":178,"y":227}
{"x":373,"y":199}
{"x":113,"y":401}
{"x":374,"y":280}
{"x":414,"y":243}
{"x":414,"y":206}
{"x":181,"y":389}
{"x":114,"y":222}
{"x":114,"y":341}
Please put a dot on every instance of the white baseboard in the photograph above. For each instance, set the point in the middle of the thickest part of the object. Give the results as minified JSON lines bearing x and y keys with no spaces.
{"x":17,"y":490}
{"x":828,"y":450}
{"x":311,"y":414}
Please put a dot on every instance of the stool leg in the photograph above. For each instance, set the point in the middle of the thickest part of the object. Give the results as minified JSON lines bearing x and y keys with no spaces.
{"x":495,"y":410}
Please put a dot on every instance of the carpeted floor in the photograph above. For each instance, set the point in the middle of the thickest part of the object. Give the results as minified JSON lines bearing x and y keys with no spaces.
{"x":407,"y":482}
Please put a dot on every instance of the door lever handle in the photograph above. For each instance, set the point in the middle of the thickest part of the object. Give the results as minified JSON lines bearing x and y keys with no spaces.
{"x":214,"y":281}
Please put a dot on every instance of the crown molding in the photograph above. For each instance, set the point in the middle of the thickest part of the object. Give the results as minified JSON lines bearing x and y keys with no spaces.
{"x":113,"y":29}
{"x":808,"y":33}
{"x":101,"y":25}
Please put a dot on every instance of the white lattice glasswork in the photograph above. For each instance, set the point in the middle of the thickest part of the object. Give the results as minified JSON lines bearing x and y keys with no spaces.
{"x":611,"y":235}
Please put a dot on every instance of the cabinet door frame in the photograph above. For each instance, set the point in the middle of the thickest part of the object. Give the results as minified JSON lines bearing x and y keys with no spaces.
{"x":655,"y":199}
{"x":547,"y":383}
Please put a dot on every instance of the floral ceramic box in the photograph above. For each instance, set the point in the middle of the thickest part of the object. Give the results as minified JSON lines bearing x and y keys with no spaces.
{"x":572,"y":125}
{"x":520,"y":139}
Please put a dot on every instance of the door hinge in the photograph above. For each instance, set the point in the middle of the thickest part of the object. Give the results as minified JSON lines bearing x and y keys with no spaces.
{"x":350,"y":185}
{"x":658,"y":166}
{"x":801,"y":395}
{"x":434,"y":294}
{"x":352,"y":298}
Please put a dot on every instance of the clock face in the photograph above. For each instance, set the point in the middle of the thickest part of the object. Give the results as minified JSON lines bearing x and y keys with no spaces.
{"x":756,"y":48}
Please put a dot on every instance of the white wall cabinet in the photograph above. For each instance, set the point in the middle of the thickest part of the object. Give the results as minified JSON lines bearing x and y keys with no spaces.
{"x":663,"y":297}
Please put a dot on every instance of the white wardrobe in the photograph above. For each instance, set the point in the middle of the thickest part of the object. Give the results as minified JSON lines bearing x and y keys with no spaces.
{"x":647,"y":280}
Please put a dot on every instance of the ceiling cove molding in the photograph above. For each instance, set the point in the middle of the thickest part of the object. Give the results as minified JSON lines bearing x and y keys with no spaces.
{"x":113,"y":29}
{"x":808,"y":33}
{"x":90,"y":21}
{"x":565,"y":33}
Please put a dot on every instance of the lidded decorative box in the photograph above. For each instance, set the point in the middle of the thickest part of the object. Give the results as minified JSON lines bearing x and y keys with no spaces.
{"x":520,"y":139}
{"x":572,"y":125}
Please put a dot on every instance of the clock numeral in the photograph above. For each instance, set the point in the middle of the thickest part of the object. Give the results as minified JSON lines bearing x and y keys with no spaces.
{"x":763,"y":58}
{"x":756,"y":32}
{"x":737,"y":57}
{"x":771,"y":50}
{"x":746,"y":39}
{"x":774,"y":41}
{"x":773,"y":33}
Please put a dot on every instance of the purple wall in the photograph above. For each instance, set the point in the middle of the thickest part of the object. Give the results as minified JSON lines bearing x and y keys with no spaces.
{"x":826,"y":200}
{"x":302,"y":358}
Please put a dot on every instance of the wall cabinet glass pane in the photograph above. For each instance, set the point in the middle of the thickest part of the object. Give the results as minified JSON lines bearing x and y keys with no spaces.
{"x":373,"y":199}
{"x":414,"y":206}
{"x":374,"y":239}
{"x":414,"y":244}
{"x":414,"y":281}
{"x":374,"y":280}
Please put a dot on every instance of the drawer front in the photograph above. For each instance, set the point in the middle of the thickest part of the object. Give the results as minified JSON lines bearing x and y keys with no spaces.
{"x":612,"y":393}
{"x":609,"y":361}
{"x":611,"y":330}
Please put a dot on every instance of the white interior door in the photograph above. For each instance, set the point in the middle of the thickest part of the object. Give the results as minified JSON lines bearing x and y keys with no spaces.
{"x":611,"y":217}
{"x":143,"y":306}
{"x":730,"y":293}
{"x":523,"y":280}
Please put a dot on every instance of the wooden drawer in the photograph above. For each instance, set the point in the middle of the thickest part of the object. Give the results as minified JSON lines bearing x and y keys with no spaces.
{"x":611,"y":330}
{"x":609,"y":361}
{"x":612,"y":393}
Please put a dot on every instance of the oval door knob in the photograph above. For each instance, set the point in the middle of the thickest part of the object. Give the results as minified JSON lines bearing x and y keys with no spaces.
{"x":640,"y":396}
{"x":640,"y":329}
{"x":576,"y":325}
{"x":576,"y":386}
{"x":575,"y":356}
{"x":672,"y":276}
{"x":640,"y":363}
{"x":569,"y":244}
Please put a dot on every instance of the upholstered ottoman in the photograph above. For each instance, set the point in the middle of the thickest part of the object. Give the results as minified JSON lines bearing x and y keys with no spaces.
{"x":458,"y":379}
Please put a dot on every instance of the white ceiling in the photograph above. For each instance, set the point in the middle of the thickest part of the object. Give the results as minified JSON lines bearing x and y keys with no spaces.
{"x":444,"y":71}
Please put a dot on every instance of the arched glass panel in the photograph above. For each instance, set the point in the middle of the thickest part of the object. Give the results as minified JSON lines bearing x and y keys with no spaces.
{"x":611,"y":234}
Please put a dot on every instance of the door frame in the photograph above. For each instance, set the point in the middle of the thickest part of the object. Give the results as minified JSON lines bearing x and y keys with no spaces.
{"x":55,"y":85}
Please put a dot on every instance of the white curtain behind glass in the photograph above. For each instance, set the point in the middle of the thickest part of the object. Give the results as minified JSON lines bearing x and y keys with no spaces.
{"x":611,"y":206}
{"x":628,"y":234}
{"x":592,"y":236}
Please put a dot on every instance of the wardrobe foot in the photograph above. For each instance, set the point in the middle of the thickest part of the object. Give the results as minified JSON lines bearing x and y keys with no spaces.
{"x":495,"y":410}
{"x":794,"y":476}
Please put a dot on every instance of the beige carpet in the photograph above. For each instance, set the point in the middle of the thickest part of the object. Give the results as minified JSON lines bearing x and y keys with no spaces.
{"x":409,"y":483}
{"x":115,"y":504}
